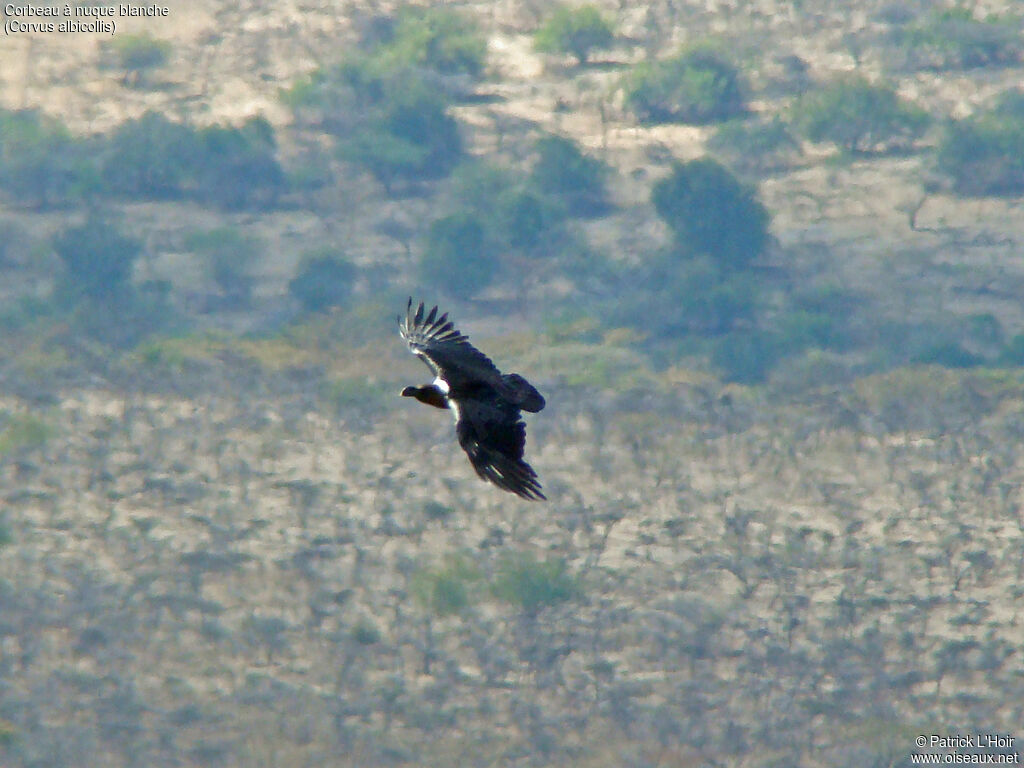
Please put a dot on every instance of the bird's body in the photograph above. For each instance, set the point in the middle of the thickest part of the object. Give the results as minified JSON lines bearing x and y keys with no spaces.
{"x":485,"y":403}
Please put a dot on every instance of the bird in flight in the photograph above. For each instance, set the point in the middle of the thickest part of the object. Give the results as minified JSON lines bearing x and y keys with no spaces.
{"x":486,"y":404}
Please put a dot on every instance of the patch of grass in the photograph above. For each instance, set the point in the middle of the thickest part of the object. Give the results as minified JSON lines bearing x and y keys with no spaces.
{"x":447,"y":589}
{"x":532,"y":584}
{"x":24,"y":432}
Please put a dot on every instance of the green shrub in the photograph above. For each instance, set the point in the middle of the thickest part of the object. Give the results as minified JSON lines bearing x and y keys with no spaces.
{"x":1013,"y":353}
{"x":858,"y":116}
{"x":697,"y":86}
{"x":525,"y":220}
{"x":41,"y":165}
{"x":446,"y":590}
{"x":441,"y":39}
{"x":984,"y":155}
{"x":576,"y":31}
{"x":458,"y":257}
{"x":96,"y":290}
{"x":694,"y":297}
{"x":97,"y":258}
{"x":531,"y":584}
{"x":324,"y":280}
{"x":406,"y":134}
{"x":365,"y":632}
{"x":24,"y":432}
{"x":953,"y":39}
{"x":710,"y":212}
{"x":564,"y":172}
{"x":948,"y":354}
{"x":229,"y":257}
{"x":151,"y":157}
{"x":234,"y":168}
{"x":137,"y":55}
{"x":498,"y":215}
{"x":746,"y":357}
{"x":387,"y":106}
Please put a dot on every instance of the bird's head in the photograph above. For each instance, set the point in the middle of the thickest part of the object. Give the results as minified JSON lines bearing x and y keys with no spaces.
{"x":429,"y":394}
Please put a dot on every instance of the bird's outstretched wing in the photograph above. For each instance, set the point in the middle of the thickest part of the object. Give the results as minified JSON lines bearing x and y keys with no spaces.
{"x":447,"y":352}
{"x":493,"y":436}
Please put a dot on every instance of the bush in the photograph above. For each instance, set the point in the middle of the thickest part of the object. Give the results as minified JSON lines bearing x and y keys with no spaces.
{"x":576,"y":179}
{"x":137,"y":55}
{"x":691,"y":298}
{"x":710,"y":212}
{"x":954,"y":39}
{"x":151,"y":157}
{"x":531,"y":584}
{"x":229,"y":257}
{"x":525,"y":220}
{"x":746,"y":357}
{"x":698,"y":86}
{"x":948,"y":354}
{"x":445,"y":590}
{"x":858,"y":116}
{"x":324,"y":280}
{"x":576,"y":31}
{"x":1013,"y":353}
{"x":95,"y":286}
{"x":23,"y":433}
{"x":387,"y":106}
{"x":97,"y":258}
{"x":458,"y":258}
{"x":41,"y":165}
{"x":405,"y":134}
{"x":234,"y":168}
{"x":440,"y":39}
{"x":984,"y":155}
{"x":499,"y":219}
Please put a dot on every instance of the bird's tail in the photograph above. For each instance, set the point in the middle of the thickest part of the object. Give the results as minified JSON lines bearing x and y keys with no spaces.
{"x":522,"y":393}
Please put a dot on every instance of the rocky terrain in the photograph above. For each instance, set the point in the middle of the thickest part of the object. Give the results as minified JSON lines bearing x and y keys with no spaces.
{"x":238,"y":548}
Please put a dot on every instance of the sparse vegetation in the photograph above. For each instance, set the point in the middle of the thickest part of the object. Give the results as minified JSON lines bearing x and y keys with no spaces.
{"x":755,"y":145}
{"x":784,"y":470}
{"x":955,"y":38}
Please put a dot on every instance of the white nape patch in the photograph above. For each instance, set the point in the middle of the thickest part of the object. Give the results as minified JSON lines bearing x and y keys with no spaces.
{"x":442,"y":385}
